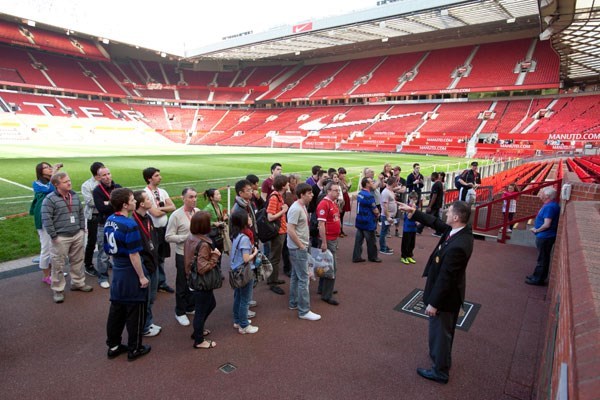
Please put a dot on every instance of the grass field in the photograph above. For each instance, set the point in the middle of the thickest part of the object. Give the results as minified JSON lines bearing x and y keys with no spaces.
{"x":201,"y":167}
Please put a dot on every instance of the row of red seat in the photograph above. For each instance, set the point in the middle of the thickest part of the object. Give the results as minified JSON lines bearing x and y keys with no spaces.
{"x":32,"y":37}
{"x":432,"y":72}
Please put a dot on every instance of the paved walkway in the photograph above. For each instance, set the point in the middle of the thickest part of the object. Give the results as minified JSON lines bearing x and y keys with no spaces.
{"x":362,"y":349}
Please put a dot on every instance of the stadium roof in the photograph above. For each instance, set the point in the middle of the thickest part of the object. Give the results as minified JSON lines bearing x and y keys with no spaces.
{"x":579,"y":43}
{"x":393,"y":24}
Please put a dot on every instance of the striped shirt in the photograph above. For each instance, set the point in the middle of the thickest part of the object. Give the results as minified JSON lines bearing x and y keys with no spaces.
{"x":62,"y":216}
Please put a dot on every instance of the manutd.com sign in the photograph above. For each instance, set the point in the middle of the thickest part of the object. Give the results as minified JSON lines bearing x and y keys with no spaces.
{"x":595,"y":137}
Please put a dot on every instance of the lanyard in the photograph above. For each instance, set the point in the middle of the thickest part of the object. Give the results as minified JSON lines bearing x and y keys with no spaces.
{"x":156,"y":194}
{"x":70,"y":202}
{"x":106,"y":193}
{"x":189,"y":215}
{"x":145,"y":229}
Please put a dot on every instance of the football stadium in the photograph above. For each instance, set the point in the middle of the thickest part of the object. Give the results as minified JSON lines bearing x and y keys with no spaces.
{"x":490,"y":105}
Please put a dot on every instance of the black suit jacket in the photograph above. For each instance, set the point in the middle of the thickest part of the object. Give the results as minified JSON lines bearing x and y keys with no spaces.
{"x":446,"y":267}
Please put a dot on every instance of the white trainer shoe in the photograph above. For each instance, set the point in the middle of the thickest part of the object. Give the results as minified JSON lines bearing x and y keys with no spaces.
{"x":236,"y":326}
{"x":310,"y":316}
{"x":252,"y":303}
{"x":104,"y":284}
{"x":251,"y":314}
{"x":248,"y":329}
{"x":183,"y":320}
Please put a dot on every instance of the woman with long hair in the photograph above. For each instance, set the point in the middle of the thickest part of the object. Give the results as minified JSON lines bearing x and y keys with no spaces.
{"x":218,"y":219}
{"x":208,"y":258}
{"x":41,"y":188}
{"x":242,"y":251}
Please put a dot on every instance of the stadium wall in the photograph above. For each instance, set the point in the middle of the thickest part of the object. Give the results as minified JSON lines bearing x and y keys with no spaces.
{"x":570,"y":359}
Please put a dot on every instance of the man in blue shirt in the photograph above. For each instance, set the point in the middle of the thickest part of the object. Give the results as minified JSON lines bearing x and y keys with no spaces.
{"x":128,"y":292}
{"x":366,"y":222}
{"x":545,"y":227}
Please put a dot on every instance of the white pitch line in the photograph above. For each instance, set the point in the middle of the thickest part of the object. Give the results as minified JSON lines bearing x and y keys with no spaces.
{"x":16,"y":184}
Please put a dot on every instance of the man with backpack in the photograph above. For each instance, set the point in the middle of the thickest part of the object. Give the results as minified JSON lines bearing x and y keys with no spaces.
{"x":468,"y":179}
{"x":276,"y":211}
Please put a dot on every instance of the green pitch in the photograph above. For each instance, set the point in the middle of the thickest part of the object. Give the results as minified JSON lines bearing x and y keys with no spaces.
{"x":181,"y":166}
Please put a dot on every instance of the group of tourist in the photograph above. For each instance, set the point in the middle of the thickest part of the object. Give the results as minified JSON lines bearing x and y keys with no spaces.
{"x":132,"y":232}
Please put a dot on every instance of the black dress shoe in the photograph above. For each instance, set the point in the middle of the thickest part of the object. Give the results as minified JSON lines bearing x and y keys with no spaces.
{"x":139,"y":352}
{"x":277,"y":289}
{"x":376,"y":260}
{"x":431,"y":375}
{"x":166,"y":289}
{"x":534,"y":282}
{"x":117,"y":352}
{"x":359,"y":260}
{"x":333,"y":302}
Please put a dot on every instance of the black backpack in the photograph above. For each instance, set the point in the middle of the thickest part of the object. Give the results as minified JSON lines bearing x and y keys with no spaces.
{"x":313,"y":225}
{"x":266,"y":230}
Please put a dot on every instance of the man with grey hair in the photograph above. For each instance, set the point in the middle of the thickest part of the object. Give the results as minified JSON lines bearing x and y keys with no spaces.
{"x":178,"y":229}
{"x":62,"y":218}
{"x":544,"y":228}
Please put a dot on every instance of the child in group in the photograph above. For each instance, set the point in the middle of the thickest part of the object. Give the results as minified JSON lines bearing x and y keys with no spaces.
{"x":410,"y":233}
{"x":510,"y":206}
{"x":242,"y":251}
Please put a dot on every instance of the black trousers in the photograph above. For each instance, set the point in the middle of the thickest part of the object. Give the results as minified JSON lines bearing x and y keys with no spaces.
{"x":184,"y":300}
{"x":285,"y":255}
{"x":204,"y":303}
{"x":92,"y":226}
{"x":542,"y":267}
{"x":130,"y":315}
{"x":441,"y":336}
{"x":408,"y":244}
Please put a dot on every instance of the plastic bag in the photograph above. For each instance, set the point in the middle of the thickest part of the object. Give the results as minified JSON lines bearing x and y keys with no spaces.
{"x":321,"y":263}
{"x":471,"y":196}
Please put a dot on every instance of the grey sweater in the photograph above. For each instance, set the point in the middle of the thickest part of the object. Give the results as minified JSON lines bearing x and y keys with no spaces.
{"x":56,"y":217}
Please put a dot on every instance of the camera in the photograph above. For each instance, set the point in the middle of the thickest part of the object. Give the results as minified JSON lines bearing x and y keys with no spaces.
{"x":161,"y":203}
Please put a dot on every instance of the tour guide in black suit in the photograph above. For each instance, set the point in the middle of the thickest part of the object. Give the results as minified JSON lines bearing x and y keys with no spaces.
{"x":445,"y":287}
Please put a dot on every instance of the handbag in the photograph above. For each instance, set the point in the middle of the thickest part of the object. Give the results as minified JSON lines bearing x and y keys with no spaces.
{"x":242,"y":275}
{"x":264,"y":268}
{"x":208,"y":281}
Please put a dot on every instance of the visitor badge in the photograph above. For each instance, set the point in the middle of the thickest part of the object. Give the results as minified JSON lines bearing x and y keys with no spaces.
{"x":72,"y":219}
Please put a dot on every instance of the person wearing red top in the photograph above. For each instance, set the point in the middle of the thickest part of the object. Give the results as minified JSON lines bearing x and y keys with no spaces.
{"x":328,"y":215}
{"x":276,"y":210}
{"x":268,"y":185}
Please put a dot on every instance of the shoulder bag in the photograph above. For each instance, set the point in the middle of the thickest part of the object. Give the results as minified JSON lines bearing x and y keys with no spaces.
{"x":242,"y":275}
{"x":210,"y":280}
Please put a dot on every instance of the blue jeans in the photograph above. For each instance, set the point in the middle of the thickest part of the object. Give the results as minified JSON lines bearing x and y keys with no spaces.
{"x":152,"y":289}
{"x":299,"y":296}
{"x":102,"y":259}
{"x":241,"y":297}
{"x":383,"y":234}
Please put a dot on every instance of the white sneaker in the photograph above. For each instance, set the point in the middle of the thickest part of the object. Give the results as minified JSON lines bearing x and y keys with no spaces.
{"x":248,"y":329}
{"x":251,"y":314}
{"x":236,"y":326}
{"x":104,"y":284}
{"x":183,"y":320}
{"x":152,"y":332}
{"x":154,"y":326}
{"x":310,"y":316}
{"x":252,"y":303}
{"x":193,"y":312}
